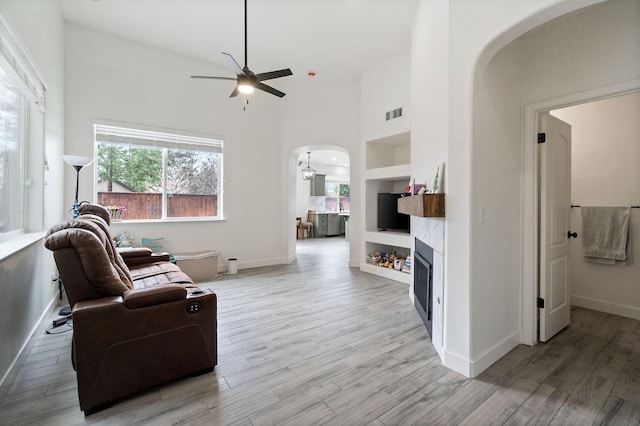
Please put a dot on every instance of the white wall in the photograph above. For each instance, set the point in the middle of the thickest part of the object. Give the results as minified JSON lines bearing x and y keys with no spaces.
{"x":495,"y":221}
{"x":120,"y":81}
{"x":117,"y":80}
{"x":25,"y":282}
{"x":605,"y":168}
{"x":321,"y":115}
{"x":385,"y":87}
{"x":429,"y":83}
{"x":594,"y":47}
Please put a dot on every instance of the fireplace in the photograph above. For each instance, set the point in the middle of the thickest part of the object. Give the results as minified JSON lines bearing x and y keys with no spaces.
{"x":423,"y":283}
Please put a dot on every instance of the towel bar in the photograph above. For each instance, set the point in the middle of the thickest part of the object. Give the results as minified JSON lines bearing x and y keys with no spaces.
{"x":578,"y":205}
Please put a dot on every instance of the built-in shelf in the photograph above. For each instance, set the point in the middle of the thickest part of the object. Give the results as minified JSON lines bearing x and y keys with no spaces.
{"x":387,"y":169}
{"x":388,"y":273}
{"x":387,"y":241}
{"x":390,"y":238}
{"x":424,"y":205}
{"x":389,"y":173}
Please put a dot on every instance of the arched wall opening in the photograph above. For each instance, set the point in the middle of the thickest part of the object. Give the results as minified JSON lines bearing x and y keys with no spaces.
{"x":295,"y":192}
{"x":518,"y":75}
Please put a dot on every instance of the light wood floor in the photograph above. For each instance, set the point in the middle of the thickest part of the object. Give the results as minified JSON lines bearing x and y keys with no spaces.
{"x":315,"y":342}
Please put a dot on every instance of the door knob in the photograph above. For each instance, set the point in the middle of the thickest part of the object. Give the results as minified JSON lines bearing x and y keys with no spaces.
{"x":572,"y":234}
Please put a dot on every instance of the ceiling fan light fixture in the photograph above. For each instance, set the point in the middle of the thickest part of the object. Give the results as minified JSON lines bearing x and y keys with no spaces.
{"x":245,"y":88}
{"x":247,"y":80}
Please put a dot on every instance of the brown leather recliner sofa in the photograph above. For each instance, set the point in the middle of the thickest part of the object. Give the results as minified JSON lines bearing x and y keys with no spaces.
{"x":138,"y":320}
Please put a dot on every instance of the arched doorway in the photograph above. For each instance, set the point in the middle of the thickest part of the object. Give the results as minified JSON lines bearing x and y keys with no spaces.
{"x":327,"y":195}
{"x":509,"y":93}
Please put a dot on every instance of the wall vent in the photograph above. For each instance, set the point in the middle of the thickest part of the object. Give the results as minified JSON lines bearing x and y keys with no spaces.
{"x":390,"y":115}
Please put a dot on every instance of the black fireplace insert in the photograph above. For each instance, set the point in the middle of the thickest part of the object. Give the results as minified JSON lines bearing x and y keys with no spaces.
{"x":423,"y":283}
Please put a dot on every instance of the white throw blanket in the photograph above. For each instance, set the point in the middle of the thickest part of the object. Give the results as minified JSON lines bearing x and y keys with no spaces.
{"x":605,"y":234}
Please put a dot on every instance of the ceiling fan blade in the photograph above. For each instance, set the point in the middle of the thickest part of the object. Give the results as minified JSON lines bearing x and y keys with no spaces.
{"x":214,"y":78}
{"x":233,"y":64}
{"x":234,"y":93}
{"x":270,"y":89}
{"x":274,"y":74}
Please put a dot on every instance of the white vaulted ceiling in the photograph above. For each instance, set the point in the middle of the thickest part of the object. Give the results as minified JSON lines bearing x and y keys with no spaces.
{"x":337,"y":39}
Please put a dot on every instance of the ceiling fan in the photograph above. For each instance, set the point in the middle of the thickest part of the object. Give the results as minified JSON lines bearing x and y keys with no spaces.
{"x":247,"y":80}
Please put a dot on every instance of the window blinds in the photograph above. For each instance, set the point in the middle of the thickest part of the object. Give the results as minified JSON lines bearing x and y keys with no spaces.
{"x":125,"y":136}
{"x":16,"y":59}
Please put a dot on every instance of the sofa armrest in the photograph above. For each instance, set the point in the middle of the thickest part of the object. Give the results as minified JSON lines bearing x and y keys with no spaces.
{"x":127,"y":252}
{"x":136,"y":256}
{"x":141,"y":297}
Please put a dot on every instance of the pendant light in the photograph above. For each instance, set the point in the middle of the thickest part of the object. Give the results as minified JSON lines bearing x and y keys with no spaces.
{"x":308,"y":172}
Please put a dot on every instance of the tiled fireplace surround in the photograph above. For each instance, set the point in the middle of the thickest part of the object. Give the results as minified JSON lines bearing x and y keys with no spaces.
{"x":431,"y":232}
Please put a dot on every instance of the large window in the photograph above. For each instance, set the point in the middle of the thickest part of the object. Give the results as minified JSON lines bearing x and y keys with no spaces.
{"x":337,"y":197}
{"x":12,"y":156}
{"x":143,"y":175}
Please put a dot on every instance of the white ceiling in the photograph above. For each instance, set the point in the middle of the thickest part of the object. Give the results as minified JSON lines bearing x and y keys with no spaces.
{"x":337,"y":39}
{"x":325,"y":156}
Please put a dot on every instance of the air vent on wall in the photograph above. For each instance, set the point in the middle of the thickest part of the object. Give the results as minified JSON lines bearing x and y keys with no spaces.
{"x":396,"y":113}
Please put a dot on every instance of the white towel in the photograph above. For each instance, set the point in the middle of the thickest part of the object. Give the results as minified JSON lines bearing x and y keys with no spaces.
{"x":605,"y":234}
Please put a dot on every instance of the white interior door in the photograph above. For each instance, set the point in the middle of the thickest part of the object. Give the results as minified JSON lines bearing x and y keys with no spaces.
{"x":555,"y":205}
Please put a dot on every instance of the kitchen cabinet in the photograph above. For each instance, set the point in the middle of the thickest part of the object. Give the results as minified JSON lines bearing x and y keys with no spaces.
{"x":320,"y":225}
{"x":333,"y":224}
{"x":317,"y":186}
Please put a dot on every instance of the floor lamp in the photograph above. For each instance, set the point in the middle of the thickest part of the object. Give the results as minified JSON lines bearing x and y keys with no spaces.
{"x":78,"y":163}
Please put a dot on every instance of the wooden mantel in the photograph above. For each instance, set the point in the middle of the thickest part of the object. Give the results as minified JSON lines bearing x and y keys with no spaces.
{"x":424,"y":205}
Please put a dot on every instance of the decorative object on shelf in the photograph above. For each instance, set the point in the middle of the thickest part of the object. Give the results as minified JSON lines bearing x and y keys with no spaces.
{"x":374,"y":258}
{"x":415,"y":188}
{"x":391,"y":260}
{"x":116,"y":212}
{"x":437,"y":181}
{"x":418,"y":187}
{"x":409,"y":188}
{"x":308,"y":172}
{"x":77,"y":162}
{"x":424,"y":205}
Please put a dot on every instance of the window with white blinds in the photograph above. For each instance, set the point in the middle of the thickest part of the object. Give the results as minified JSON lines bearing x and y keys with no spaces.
{"x":22,"y":100}
{"x":149,"y":175}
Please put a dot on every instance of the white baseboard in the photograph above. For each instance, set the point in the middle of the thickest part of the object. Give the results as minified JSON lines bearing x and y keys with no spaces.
{"x":494,"y":353}
{"x":456,"y":363}
{"x":608,"y":307}
{"x":265,"y":262}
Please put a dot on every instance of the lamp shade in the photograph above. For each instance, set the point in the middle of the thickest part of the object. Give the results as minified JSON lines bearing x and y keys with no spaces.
{"x":77,"y":160}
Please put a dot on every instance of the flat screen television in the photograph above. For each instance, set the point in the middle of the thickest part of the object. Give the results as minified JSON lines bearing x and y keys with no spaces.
{"x":388,"y":217}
